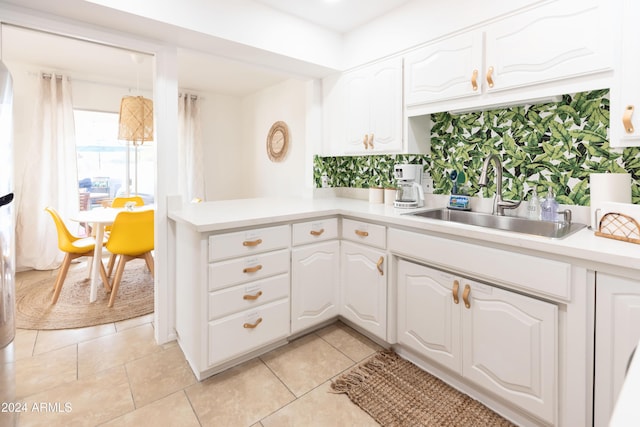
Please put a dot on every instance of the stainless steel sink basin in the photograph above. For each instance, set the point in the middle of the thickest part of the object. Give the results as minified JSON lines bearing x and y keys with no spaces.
{"x":553,"y":230}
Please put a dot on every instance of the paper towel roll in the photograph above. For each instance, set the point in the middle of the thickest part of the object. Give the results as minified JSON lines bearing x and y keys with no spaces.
{"x":608,"y":187}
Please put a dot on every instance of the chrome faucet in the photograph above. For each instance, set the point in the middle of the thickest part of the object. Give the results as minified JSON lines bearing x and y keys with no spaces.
{"x":499,"y":205}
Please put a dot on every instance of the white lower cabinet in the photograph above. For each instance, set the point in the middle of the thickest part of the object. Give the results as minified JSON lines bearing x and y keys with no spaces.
{"x":314,"y":284}
{"x":617,"y":334}
{"x":364,"y":287}
{"x":502,"y":341}
{"x":247,"y":330}
{"x":232,"y":301}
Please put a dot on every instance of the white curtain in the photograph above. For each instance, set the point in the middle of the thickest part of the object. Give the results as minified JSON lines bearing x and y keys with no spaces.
{"x":191,"y":169}
{"x":49,"y":176}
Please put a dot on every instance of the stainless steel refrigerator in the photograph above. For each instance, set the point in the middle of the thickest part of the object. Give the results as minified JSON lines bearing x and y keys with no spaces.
{"x":7,"y":243}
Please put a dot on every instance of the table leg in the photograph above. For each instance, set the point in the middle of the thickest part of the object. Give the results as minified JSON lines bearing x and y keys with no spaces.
{"x":97,"y":258}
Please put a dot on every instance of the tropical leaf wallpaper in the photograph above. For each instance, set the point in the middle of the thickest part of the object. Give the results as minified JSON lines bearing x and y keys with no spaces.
{"x":553,"y":145}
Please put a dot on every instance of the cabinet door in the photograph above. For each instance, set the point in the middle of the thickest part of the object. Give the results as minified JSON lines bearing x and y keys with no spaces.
{"x":356,"y":110}
{"x":617,"y":334}
{"x":429,"y":313}
{"x":314,"y":289}
{"x":555,"y":41}
{"x":625,"y":92}
{"x":510,"y":345}
{"x":444,"y":70}
{"x":364,"y":287}
{"x":385,"y":108}
{"x":371,"y":109}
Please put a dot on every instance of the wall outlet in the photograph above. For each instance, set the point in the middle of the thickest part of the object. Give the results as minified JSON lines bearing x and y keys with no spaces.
{"x":427,"y":184}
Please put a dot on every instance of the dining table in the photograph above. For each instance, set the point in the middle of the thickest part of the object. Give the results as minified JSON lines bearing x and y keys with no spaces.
{"x":100,"y":217}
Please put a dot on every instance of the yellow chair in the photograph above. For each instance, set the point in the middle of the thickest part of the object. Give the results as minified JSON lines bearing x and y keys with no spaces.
{"x":131,"y":237}
{"x":120,"y":202}
{"x":73,"y":247}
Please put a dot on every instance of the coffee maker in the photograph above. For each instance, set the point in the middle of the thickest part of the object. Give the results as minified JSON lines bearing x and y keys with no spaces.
{"x":409,"y":193}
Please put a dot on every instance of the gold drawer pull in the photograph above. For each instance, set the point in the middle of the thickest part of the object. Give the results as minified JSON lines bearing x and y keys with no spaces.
{"x":490,"y":76}
{"x":362,"y":233}
{"x":626,"y":119}
{"x":474,"y":80}
{"x":365,"y":141}
{"x":252,"y":269}
{"x":371,"y":141}
{"x":456,"y":287}
{"x":379,"y":265}
{"x":253,"y":297}
{"x":465,"y":296}
{"x":252,"y":325}
{"x":317,"y":233}
{"x":252,"y":242}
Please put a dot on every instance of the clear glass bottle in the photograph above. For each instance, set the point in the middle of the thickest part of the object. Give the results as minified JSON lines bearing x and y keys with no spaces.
{"x":549,"y":208}
{"x":533,"y":209}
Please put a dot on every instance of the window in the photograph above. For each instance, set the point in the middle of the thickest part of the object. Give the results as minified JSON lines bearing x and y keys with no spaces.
{"x":102,"y":159}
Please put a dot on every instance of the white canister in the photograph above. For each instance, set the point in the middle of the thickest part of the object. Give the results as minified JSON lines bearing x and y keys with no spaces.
{"x":607,"y":187}
{"x":376,"y":195}
{"x":389,"y":196}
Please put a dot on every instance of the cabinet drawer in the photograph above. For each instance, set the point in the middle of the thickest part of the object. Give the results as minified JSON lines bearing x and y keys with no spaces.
{"x":315,"y":231}
{"x":240,"y":333}
{"x":246,"y":269}
{"x":242,"y":243}
{"x":243,"y":297}
{"x":529,"y":273}
{"x":363,"y":232}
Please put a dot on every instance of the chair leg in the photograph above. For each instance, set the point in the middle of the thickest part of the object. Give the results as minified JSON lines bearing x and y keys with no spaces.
{"x":112,"y":262}
{"x":116,"y":280}
{"x":148,"y":258}
{"x":105,"y":278}
{"x":62,"y":274}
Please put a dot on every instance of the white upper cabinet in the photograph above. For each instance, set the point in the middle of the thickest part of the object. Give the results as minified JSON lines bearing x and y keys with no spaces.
{"x":558,"y":41}
{"x":548,"y":50}
{"x":625,"y":93}
{"x":445,"y":70}
{"x":363,"y":110}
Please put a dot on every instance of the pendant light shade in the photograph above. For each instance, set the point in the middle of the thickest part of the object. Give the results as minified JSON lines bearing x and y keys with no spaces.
{"x":136,"y":119}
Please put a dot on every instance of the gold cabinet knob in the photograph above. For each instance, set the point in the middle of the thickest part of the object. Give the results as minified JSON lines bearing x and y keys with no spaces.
{"x":626,"y":119}
{"x":456,"y":287}
{"x":252,"y":269}
{"x":465,"y":296}
{"x":490,"y":76}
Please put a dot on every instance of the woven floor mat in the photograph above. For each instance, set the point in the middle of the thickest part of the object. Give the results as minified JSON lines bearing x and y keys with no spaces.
{"x":73,"y":309}
{"x":395,"y":392}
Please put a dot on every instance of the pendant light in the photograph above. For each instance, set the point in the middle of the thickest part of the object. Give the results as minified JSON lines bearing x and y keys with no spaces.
{"x":135,"y":124}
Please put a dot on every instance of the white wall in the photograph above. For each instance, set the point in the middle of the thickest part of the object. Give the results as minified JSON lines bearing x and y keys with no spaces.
{"x":283,"y":102}
{"x":222,"y":143}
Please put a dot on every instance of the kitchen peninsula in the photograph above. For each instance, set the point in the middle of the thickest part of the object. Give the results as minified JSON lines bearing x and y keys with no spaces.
{"x":254,"y":273}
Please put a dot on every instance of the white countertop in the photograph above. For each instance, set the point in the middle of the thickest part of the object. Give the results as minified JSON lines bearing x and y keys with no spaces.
{"x":582,"y":247}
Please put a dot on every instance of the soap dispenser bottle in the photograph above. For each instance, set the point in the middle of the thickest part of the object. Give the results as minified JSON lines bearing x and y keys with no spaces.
{"x":533,"y":209}
{"x":549,"y":207}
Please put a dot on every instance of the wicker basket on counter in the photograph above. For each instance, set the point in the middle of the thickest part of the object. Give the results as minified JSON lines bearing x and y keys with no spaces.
{"x":620,"y":227}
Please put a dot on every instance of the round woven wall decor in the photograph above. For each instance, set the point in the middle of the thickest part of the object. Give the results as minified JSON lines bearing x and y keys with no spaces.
{"x":278,"y":141}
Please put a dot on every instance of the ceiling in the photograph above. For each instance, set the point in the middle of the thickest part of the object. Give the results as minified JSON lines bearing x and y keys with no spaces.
{"x":340,"y":16}
{"x":108,"y":65}
{"x":198,"y":72}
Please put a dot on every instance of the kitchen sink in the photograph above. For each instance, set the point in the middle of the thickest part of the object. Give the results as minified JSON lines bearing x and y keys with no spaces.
{"x":553,"y":230}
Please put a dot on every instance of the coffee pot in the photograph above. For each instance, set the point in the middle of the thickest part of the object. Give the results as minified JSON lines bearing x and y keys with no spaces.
{"x":409,"y":193}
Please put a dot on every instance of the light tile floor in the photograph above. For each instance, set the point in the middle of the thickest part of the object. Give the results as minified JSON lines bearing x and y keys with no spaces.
{"x":116,"y":375}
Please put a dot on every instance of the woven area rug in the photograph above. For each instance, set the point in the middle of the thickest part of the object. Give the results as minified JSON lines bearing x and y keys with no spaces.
{"x":73,"y":309}
{"x":395,"y":392}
